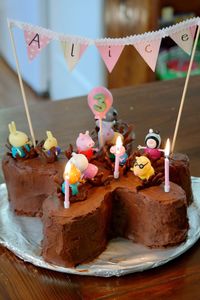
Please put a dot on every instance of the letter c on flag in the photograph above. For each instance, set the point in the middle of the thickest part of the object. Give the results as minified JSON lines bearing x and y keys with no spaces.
{"x":147,"y":48}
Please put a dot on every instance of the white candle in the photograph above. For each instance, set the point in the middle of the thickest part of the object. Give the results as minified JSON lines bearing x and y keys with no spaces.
{"x":167,"y":152}
{"x":66,"y":178}
{"x":118,"y":150}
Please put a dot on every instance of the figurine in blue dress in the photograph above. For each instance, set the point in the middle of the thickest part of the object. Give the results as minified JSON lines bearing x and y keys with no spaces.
{"x":18,"y":140}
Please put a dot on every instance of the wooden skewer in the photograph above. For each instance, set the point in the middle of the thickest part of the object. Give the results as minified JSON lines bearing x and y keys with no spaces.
{"x":185,"y":89}
{"x":101,"y":134}
{"x":21,"y":83}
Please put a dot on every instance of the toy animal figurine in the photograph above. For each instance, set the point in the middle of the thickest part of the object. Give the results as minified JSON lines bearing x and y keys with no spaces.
{"x":142,"y":168}
{"x":80,"y":161}
{"x":51,"y":142}
{"x":74,"y":178}
{"x":109,"y":135}
{"x":74,"y":175}
{"x":111,"y":115}
{"x":107,"y":132}
{"x":113,"y":140}
{"x":90,"y":172}
{"x":123,"y":159}
{"x":87,"y":170}
{"x":152,"y":141}
{"x":18,"y":140}
{"x":85,"y":145}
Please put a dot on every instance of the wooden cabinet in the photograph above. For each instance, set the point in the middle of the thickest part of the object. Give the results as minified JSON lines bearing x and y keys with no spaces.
{"x":184,"y":6}
{"x":128,"y":17}
{"x":124,"y":18}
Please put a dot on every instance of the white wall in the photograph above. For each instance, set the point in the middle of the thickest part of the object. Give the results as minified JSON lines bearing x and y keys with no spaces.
{"x":31,"y":11}
{"x":76,"y":17}
{"x":49,"y":70}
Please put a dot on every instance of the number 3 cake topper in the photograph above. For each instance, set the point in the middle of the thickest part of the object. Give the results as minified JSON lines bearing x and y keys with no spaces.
{"x":100,"y":101}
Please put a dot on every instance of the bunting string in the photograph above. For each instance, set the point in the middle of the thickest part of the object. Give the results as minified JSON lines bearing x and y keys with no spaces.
{"x":110,"y":49}
{"x":129,"y":40}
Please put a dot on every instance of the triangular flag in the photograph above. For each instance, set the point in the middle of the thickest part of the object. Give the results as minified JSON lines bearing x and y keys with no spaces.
{"x":73,"y":52}
{"x":149,"y":51}
{"x":35,"y":42}
{"x":110,"y":54}
{"x":83,"y":47}
{"x":184,"y":38}
{"x":193,"y":30}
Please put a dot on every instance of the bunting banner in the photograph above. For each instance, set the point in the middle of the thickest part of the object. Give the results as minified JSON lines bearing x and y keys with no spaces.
{"x":184,"y":38}
{"x":35,"y":42}
{"x":149,"y":51}
{"x":72,"y":52}
{"x":110,"y":54}
{"x":110,"y":49}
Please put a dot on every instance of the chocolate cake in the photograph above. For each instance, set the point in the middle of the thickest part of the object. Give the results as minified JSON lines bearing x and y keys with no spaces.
{"x":104,"y":207}
{"x":180,"y":173}
{"x":29,"y":182}
{"x":79,"y":234}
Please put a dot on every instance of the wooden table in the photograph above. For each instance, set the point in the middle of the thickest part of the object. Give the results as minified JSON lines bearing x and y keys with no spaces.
{"x":149,"y":106}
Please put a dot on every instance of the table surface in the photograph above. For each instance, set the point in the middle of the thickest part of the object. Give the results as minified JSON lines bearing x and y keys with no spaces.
{"x":154,"y":106}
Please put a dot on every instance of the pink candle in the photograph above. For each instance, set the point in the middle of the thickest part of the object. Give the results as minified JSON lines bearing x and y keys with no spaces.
{"x":116,"y":170}
{"x":66,"y":178}
{"x":118,"y":150}
{"x":66,"y":202}
{"x":167,"y":152}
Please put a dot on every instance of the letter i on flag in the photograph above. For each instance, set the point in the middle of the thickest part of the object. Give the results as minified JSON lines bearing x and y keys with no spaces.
{"x":72,"y":52}
{"x":35,"y":42}
{"x":149,"y":51}
{"x":110,"y":54}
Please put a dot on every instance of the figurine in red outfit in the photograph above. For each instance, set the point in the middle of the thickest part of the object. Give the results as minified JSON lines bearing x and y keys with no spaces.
{"x":152,"y":142}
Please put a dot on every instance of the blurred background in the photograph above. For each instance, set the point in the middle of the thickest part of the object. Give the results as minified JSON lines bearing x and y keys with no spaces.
{"x":47,"y":77}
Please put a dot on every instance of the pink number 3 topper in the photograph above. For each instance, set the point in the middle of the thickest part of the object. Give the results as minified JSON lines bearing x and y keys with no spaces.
{"x":100,"y":100}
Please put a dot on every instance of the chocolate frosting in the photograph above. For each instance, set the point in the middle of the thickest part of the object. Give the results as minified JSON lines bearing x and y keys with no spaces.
{"x":151,"y":217}
{"x":79,"y":234}
{"x":180,"y":173}
{"x":29,"y":182}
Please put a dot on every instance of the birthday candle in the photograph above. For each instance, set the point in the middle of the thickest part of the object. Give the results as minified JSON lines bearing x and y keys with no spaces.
{"x":66,"y":177}
{"x":167,"y":152}
{"x":118,"y":150}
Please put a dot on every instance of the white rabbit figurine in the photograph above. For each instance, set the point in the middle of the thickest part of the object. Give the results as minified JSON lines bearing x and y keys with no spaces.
{"x":51,"y":142}
{"x":18,"y":139}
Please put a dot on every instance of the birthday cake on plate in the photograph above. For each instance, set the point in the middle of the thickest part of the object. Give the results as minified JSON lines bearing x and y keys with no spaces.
{"x":88,"y":196}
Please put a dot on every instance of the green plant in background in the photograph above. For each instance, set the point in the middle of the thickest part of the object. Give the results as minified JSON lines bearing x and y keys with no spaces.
{"x":174,"y":62}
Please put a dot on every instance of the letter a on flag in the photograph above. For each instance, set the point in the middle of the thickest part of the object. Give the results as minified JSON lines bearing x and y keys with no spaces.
{"x":110,"y":54}
{"x":184,"y":38}
{"x":149,"y":51}
{"x":35,"y":42}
